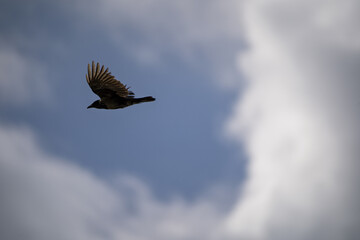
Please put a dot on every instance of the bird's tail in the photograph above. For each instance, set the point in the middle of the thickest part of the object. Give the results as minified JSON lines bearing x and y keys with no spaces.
{"x":143,"y":99}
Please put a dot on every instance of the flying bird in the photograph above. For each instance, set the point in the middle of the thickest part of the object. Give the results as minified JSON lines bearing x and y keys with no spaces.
{"x":113,"y":94}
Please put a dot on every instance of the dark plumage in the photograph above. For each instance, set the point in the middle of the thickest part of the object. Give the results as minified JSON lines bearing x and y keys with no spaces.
{"x":113,"y":94}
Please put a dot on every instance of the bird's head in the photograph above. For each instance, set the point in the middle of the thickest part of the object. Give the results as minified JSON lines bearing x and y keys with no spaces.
{"x":95,"y":104}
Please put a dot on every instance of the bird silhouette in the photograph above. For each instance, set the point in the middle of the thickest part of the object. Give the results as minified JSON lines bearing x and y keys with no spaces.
{"x":113,"y":94}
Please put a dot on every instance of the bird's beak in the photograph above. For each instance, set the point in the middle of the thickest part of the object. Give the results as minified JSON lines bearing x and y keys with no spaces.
{"x":89,"y":106}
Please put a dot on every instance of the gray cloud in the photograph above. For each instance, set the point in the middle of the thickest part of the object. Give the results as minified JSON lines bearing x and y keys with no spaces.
{"x":299,"y":121}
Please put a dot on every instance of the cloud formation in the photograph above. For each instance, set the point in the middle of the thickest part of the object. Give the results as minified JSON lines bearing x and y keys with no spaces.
{"x":299,"y":121}
{"x":44,"y":197}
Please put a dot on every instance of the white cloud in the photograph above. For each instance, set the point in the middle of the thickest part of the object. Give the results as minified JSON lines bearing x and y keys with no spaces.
{"x":43,"y":197}
{"x":299,"y":121}
{"x":46,"y":198}
{"x":23,"y":80}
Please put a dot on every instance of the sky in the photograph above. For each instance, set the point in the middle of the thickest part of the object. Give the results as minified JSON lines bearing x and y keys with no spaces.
{"x":253,"y":135}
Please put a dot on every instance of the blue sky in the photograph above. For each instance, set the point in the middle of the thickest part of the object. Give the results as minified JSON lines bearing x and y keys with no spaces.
{"x":253,"y":134}
{"x":177,"y":138}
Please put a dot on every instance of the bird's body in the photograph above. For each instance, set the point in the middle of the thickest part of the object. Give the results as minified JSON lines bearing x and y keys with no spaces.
{"x":113,"y":94}
{"x":119,"y":102}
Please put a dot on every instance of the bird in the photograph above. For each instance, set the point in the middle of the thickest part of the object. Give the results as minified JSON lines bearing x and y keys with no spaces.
{"x":113,"y":94}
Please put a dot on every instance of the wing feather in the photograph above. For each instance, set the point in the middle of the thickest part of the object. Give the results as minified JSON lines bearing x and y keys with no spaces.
{"x":104,"y":84}
{"x":101,"y":71}
{"x":88,"y":76}
{"x":97,"y":70}
{"x":104,"y":73}
{"x":92,"y":70}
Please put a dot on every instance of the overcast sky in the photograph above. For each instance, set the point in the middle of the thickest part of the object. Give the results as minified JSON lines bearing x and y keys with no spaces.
{"x":253,"y":135}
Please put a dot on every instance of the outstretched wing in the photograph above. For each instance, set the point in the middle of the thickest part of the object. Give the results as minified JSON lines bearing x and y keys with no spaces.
{"x":104,"y":84}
